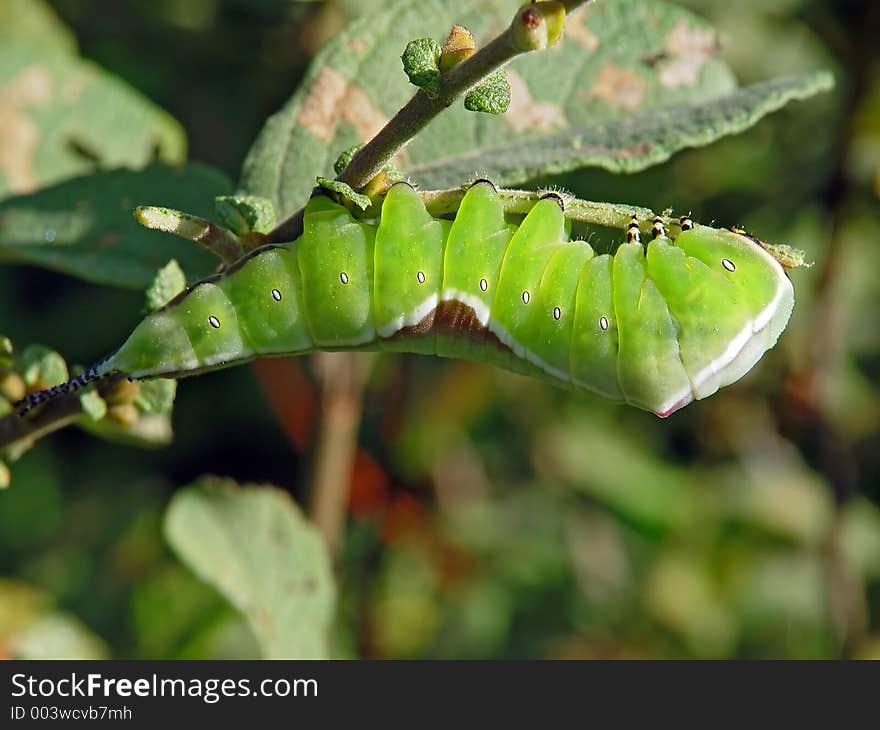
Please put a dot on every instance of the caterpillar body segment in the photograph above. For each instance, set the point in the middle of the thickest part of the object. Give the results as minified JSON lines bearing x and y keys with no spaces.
{"x":655,"y":325}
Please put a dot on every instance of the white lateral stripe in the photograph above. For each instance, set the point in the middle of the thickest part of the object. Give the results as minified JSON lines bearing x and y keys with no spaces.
{"x":526,"y":354}
{"x":752,"y":328}
{"x":410,"y":319}
{"x":478,"y":305}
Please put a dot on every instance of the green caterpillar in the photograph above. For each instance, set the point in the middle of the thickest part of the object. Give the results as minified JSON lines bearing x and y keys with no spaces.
{"x":654,"y":325}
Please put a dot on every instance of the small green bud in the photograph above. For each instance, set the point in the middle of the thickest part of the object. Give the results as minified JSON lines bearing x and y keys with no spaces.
{"x":168,"y":283}
{"x":168,"y":220}
{"x":458,"y":47}
{"x":125,"y":414}
{"x":421,"y":63}
{"x":380,"y":183}
{"x":12,"y":387}
{"x":392,"y":174}
{"x":790,"y":258}
{"x":93,"y":405}
{"x":123,"y":392}
{"x":156,"y":396}
{"x":243,"y":214}
{"x":218,"y":240}
{"x":6,"y":352}
{"x":491,"y":96}
{"x":345,"y":158}
{"x":538,"y":25}
{"x":346,"y":192}
{"x":42,"y":368}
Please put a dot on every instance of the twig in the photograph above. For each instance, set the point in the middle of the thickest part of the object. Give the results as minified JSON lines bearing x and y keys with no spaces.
{"x":611,"y":215}
{"x":343,"y":376}
{"x":217,"y":240}
{"x":418,"y":113}
{"x":57,"y":413}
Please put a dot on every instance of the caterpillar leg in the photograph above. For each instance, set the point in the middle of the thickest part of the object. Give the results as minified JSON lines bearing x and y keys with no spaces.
{"x":633,"y":235}
{"x":658,"y":230}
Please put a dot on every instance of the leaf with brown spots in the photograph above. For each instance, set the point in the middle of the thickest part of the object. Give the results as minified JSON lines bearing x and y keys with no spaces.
{"x":620,"y":87}
{"x":634,"y":143}
{"x":632,"y":82}
{"x":356,"y":83}
{"x":61,"y":116}
{"x":255,"y":547}
{"x":34,"y":22}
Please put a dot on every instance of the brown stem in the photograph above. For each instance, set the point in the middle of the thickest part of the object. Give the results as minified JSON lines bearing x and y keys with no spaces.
{"x":416,"y":115}
{"x":343,"y":376}
{"x":57,"y":413}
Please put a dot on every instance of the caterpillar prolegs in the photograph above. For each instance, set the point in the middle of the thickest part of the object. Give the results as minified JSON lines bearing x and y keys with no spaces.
{"x":653,"y":325}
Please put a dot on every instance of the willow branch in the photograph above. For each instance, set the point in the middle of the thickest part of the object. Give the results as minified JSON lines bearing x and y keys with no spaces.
{"x":56,"y":413}
{"x":419,"y":112}
{"x":520,"y":202}
{"x":343,"y":377}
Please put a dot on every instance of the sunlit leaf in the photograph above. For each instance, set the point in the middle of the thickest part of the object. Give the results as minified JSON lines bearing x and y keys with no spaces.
{"x":62,"y":116}
{"x":632,"y":82}
{"x":254,"y":546}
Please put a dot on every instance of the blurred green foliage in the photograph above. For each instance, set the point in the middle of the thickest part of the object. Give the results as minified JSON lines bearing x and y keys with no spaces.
{"x":489,"y":515}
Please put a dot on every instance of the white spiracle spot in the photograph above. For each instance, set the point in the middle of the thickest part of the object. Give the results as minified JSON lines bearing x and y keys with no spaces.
{"x":603,"y":323}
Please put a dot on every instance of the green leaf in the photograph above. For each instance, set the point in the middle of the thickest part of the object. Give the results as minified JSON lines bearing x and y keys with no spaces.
{"x":42,"y":367}
{"x":156,"y":396}
{"x":345,"y":191}
{"x":629,"y":145}
{"x":216,"y":239}
{"x":34,"y":22}
{"x":492,"y":96}
{"x":85,"y":227}
{"x":57,"y":636}
{"x":93,"y":405}
{"x":150,"y":431}
{"x":61,"y":116}
{"x":345,"y":158}
{"x":622,"y":68}
{"x":243,"y":214}
{"x":255,"y":547}
{"x":31,"y":627}
{"x":421,"y":59}
{"x":640,"y":487}
{"x":169,"y":282}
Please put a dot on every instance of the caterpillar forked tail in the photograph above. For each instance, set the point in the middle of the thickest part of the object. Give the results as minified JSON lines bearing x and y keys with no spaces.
{"x":91,"y":375}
